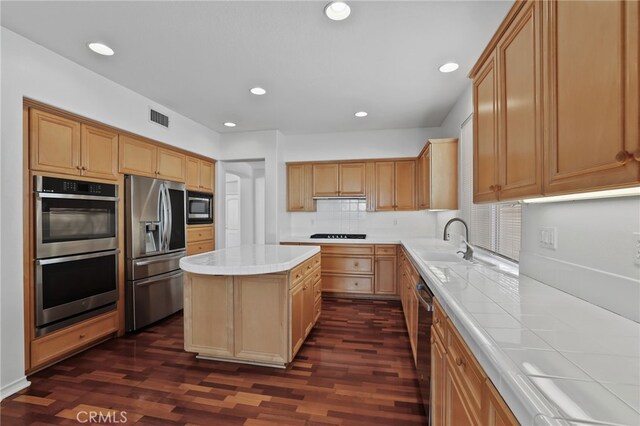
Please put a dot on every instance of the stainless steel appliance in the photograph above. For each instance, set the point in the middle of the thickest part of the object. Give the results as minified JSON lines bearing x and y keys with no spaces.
{"x":74,"y":216}
{"x":76,"y":232}
{"x":199,"y":207}
{"x":156,"y":240}
{"x":423,"y":358}
{"x":341,"y":236}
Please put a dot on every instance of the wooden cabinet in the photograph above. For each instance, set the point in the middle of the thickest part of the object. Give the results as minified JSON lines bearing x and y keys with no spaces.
{"x":553,"y":113}
{"x":141,"y":158}
{"x":352,"y":179}
{"x":326,"y":180}
{"x":437,"y":169}
{"x":199,"y":175}
{"x":298,"y":326}
{"x":61,"y":145}
{"x":305,"y":305}
{"x":385,"y":270}
{"x":59,"y":344}
{"x":456,"y":409}
{"x":495,"y":411}
{"x":300,"y":187}
{"x":438,"y":367}
{"x":200,"y":239}
{"x":592,"y":95}
{"x":395,"y":185}
{"x":309,"y":299}
{"x":348,"y":268}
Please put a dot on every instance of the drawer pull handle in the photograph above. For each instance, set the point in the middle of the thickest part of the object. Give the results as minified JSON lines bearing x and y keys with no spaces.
{"x":623,"y":156}
{"x":355,"y":264}
{"x":82,"y":336}
{"x":436,"y":321}
{"x":356,"y":283}
{"x":460,"y":362}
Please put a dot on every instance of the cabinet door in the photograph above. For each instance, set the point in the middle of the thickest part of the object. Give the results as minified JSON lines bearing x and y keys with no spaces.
{"x":137,"y":157}
{"x":297,"y":318}
{"x":405,"y":185}
{"x":495,"y":410}
{"x":307,"y":310}
{"x":54,"y":143}
{"x":99,"y":150}
{"x":385,"y":275}
{"x":593,"y":99}
{"x":295,"y":188}
{"x":413,"y":329}
{"x":207,"y":176}
{"x":193,"y":174}
{"x":426,"y":178}
{"x":485,"y":133}
{"x":325,"y":180}
{"x":520,"y":106}
{"x":171,"y":165}
{"x":438,"y":365}
{"x":385,"y":186}
{"x":352,"y":179}
{"x":456,"y":411}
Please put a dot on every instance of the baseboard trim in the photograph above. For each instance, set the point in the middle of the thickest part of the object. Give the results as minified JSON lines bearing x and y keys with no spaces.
{"x":13,"y":387}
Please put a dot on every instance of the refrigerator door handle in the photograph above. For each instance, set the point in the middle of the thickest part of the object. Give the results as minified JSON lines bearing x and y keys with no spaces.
{"x":169,"y":216}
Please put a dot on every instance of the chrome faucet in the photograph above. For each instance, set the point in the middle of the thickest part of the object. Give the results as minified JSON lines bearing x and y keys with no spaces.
{"x":468,"y":254}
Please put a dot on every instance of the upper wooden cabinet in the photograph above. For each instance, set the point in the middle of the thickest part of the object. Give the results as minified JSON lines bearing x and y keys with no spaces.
{"x":62,"y":145}
{"x":559,"y":78}
{"x":593,"y":139}
{"x":200,"y":174}
{"x":299,"y":188}
{"x":326,"y":180}
{"x":437,"y":168}
{"x":339,"y":180}
{"x":352,"y":179}
{"x":142,"y":158}
{"x":395,"y":185}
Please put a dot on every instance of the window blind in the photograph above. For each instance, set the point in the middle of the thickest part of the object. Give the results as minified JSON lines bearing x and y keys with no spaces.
{"x":494,"y":227}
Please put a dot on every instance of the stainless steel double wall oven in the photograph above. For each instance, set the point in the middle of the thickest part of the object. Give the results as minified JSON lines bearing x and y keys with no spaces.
{"x":76,"y":266}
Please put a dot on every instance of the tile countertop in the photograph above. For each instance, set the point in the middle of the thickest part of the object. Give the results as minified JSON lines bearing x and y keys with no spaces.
{"x":248,"y":260}
{"x":554,"y":358}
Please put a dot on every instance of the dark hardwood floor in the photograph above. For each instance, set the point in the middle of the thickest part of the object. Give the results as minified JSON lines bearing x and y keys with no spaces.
{"x":355,"y":369}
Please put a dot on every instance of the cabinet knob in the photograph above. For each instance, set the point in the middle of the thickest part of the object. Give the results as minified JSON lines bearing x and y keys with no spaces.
{"x":436,"y":321}
{"x":82,"y":336}
{"x":355,"y":264}
{"x":460,"y":361}
{"x":356,"y":283}
{"x":624,"y":156}
{"x":78,"y":167}
{"x":636,"y":154}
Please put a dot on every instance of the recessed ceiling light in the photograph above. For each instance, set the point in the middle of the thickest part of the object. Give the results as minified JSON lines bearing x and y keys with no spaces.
{"x":449,"y":67}
{"x":101,"y":49}
{"x":258,"y":91}
{"x":230,"y":124}
{"x":361,"y":114}
{"x":337,"y":10}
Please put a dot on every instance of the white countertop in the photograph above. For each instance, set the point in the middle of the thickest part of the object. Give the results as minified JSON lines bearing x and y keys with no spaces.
{"x":248,"y":260}
{"x":555,"y":359}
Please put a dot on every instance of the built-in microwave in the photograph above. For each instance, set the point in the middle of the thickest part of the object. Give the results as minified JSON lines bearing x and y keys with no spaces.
{"x":199,"y":207}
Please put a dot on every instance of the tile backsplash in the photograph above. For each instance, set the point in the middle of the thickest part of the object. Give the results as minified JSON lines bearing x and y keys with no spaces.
{"x":351,"y":216}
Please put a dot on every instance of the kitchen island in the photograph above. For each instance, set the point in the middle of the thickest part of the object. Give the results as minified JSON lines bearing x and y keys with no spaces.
{"x":253,"y":304}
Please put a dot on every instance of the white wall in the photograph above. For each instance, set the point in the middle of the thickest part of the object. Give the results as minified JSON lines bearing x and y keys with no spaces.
{"x":29,"y":70}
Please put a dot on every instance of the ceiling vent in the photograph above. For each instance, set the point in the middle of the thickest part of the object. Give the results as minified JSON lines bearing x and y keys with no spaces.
{"x":158,"y":118}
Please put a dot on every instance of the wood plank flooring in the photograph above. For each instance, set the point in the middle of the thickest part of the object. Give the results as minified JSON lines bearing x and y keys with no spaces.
{"x":355,"y":368}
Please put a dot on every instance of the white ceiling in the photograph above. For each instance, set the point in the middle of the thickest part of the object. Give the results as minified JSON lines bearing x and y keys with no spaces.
{"x":201,"y":58}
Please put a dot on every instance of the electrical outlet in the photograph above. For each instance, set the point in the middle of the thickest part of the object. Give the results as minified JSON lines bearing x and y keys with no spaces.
{"x":547,"y":237}
{"x":636,"y":248}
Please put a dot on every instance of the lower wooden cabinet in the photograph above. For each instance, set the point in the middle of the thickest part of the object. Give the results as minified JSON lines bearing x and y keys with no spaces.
{"x":347,"y":283}
{"x":66,"y":341}
{"x":200,"y":239}
{"x":461,"y":393}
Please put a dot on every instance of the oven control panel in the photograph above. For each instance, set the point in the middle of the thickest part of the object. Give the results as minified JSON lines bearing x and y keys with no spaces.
{"x":78,"y":187}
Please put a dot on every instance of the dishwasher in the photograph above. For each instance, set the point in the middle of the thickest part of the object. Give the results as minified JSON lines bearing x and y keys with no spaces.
{"x":423,"y":344}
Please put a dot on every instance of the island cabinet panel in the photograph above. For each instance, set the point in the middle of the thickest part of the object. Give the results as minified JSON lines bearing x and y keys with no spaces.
{"x":594,"y":139}
{"x":54,"y":143}
{"x":260,"y":326}
{"x":309,"y":304}
{"x":325,"y":180}
{"x":297,"y":318}
{"x":208,"y":300}
{"x":352,"y":179}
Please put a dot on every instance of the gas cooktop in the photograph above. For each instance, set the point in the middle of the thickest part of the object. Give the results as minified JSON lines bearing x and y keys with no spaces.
{"x":341,"y":236}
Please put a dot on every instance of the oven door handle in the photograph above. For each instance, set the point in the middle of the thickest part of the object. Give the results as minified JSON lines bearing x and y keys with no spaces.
{"x":40,"y":195}
{"x":74,"y":258}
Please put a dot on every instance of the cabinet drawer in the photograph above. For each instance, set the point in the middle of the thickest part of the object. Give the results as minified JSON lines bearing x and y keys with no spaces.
{"x":65,"y":341}
{"x":199,"y":233}
{"x":315,"y":275}
{"x":317,"y":290}
{"x":466,"y":368}
{"x":347,"y":264}
{"x":439,"y":320}
{"x":297,"y":275}
{"x":385,"y":250}
{"x":347,"y":284}
{"x":348,"y":249}
{"x":316,"y":260}
{"x":199,"y":247}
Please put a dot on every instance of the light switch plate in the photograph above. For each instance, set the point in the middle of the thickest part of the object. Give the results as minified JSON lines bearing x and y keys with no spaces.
{"x":547,"y":237}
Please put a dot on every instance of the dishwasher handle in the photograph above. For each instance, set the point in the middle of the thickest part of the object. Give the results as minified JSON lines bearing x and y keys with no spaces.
{"x":422,"y":289}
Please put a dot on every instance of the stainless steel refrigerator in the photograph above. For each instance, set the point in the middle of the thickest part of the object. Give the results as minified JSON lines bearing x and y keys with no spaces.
{"x":155,"y":242}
